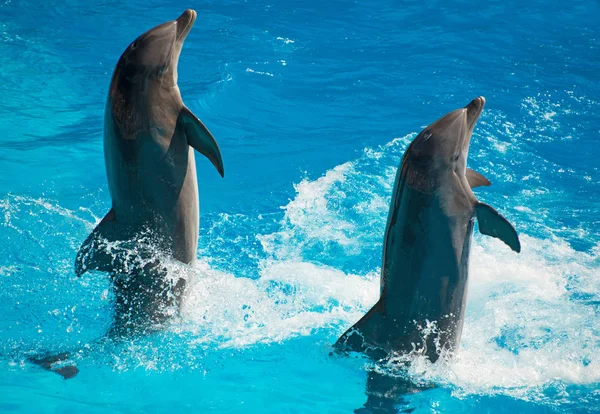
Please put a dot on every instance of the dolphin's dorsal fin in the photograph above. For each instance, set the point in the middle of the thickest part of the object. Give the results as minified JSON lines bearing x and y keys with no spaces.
{"x":364,"y":332}
{"x":493,"y":224}
{"x":476,"y":179}
{"x":92,"y":254}
{"x":200,"y":138}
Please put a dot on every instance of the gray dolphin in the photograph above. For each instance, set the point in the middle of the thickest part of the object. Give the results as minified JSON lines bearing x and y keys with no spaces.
{"x":427,"y":241}
{"x":149,"y":142}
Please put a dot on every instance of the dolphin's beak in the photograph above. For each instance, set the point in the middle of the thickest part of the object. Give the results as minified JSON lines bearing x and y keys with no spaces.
{"x":474,"y":109}
{"x":185,"y":23}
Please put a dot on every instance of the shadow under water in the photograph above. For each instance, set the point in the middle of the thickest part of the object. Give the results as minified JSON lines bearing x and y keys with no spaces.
{"x":386,"y":391}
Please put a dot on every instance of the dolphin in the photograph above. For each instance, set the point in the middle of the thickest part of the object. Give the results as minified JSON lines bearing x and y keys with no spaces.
{"x":427,"y":240}
{"x":149,"y":142}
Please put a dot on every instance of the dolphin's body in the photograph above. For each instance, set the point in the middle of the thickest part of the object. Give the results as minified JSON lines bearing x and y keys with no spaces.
{"x":149,"y":142}
{"x":427,"y":242}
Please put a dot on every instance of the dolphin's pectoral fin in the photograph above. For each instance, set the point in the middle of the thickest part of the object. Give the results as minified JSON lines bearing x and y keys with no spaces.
{"x":476,"y":179}
{"x":362,"y":335}
{"x":200,"y":138}
{"x":493,"y":224}
{"x":92,"y":254}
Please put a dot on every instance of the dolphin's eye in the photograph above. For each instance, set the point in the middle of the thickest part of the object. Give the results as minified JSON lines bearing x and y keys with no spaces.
{"x":456,"y":157}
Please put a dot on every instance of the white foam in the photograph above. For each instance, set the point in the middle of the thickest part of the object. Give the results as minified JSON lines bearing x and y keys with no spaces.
{"x":258,"y":72}
{"x":290,"y":299}
{"x":523,"y":331}
{"x":285,"y":40}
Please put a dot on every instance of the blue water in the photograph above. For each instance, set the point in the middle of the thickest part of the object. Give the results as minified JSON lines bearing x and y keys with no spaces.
{"x":313,"y":104}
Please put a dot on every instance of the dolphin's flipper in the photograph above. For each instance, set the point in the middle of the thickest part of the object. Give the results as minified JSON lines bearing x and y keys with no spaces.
{"x":476,"y":179}
{"x":493,"y":224}
{"x":200,"y":138}
{"x":361,"y":336}
{"x":92,"y":254}
{"x":58,"y":363}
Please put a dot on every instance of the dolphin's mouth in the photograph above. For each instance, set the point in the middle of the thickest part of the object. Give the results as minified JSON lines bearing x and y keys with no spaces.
{"x":474,"y":109}
{"x":185,"y":23}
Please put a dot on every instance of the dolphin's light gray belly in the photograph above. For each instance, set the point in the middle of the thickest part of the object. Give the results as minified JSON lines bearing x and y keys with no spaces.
{"x":154,"y":188}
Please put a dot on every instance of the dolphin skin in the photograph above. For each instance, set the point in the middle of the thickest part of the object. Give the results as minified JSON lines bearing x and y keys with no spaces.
{"x":427,"y":240}
{"x":149,"y":142}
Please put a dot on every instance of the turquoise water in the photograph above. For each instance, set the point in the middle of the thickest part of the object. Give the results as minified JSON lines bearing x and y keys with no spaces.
{"x":313,"y":104}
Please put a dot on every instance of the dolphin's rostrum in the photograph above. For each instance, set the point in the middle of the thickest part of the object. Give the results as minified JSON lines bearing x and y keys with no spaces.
{"x":427,"y":241}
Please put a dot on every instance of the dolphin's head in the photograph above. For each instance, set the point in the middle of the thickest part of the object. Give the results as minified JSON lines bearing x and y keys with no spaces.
{"x":443,"y":146}
{"x":153,"y":56}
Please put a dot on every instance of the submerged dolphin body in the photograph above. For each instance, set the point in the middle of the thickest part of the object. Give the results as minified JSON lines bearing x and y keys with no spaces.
{"x":149,"y":142}
{"x":427,"y":242}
